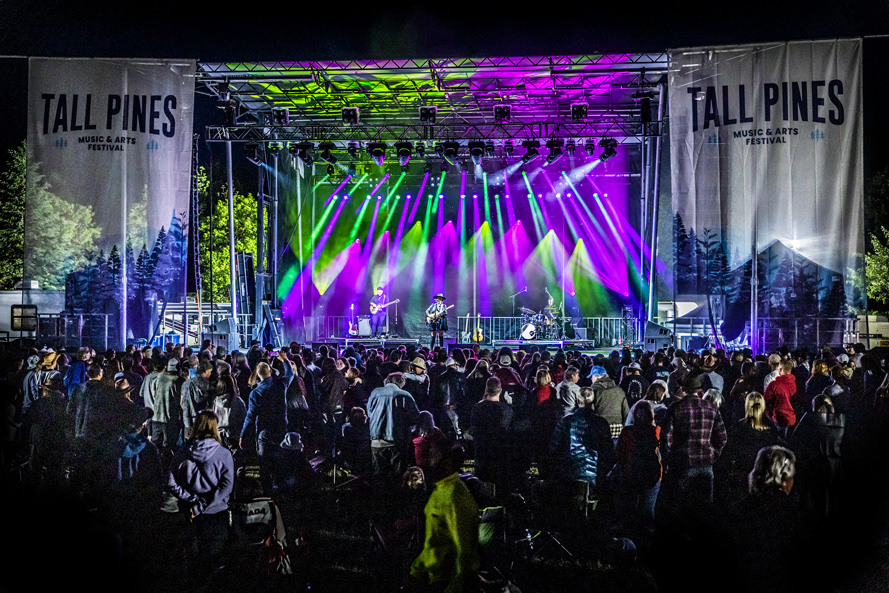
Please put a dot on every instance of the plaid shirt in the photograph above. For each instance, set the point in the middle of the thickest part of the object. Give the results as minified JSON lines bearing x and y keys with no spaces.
{"x":694,"y":433}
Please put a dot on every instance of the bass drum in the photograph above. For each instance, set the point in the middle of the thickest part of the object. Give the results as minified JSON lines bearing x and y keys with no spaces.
{"x":529,"y":331}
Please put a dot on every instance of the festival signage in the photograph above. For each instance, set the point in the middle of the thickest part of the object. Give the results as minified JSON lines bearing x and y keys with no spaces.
{"x":109,"y":149}
{"x":766,"y":159}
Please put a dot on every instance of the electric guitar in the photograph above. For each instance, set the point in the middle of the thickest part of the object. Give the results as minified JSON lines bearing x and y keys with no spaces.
{"x":432,"y":318}
{"x":476,"y":335}
{"x":374,"y":309}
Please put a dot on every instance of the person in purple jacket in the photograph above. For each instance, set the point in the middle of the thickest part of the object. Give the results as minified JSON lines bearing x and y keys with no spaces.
{"x":201,"y":477}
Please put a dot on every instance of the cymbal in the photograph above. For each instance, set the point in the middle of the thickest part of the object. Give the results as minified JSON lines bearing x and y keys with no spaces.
{"x":527,"y":311}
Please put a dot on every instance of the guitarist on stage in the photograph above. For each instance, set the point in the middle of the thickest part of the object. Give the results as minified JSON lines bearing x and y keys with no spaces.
{"x":437,"y":319}
{"x":377,"y":312}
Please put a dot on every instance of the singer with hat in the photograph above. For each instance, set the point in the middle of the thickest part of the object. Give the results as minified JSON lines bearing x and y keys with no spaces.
{"x":437,"y":319}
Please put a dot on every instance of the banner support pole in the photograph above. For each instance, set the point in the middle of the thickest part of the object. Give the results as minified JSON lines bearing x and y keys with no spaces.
{"x":652,"y":279}
{"x":233,"y":289}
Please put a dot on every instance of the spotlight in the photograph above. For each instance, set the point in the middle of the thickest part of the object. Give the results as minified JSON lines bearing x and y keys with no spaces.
{"x":508,"y":148}
{"x":609,"y":149}
{"x":428,"y":113}
{"x":644,"y":98}
{"x":451,"y":149}
{"x":326,"y":155}
{"x":489,"y":149}
{"x":421,"y":149}
{"x":531,"y":151}
{"x":439,"y":150}
{"x":304,"y":152}
{"x":555,"y":151}
{"x":228,"y":109}
{"x":252,"y":151}
{"x":590,"y":147}
{"x":274,"y":148}
{"x":351,"y":115}
{"x":291,"y":148}
{"x":579,"y":111}
{"x":281,"y":116}
{"x":477,"y":152}
{"x":377,"y":152}
{"x":353,"y":150}
{"x":403,"y":150}
{"x":502,"y":113}
{"x":330,"y":170}
{"x":570,"y":147}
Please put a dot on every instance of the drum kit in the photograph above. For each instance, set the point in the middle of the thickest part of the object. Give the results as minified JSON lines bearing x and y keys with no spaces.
{"x":545,"y":325}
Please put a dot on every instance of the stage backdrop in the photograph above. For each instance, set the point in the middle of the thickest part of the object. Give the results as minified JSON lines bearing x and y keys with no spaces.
{"x":766,"y":151}
{"x":109,"y":144}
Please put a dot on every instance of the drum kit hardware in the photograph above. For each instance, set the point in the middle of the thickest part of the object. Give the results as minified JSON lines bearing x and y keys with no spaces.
{"x":543,"y":325}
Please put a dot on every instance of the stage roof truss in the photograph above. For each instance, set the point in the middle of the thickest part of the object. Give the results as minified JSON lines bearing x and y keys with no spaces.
{"x":389,"y":93}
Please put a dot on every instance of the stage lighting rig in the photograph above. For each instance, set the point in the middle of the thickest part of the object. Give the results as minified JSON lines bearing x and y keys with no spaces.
{"x":532,"y":151}
{"x":351,"y":115}
{"x":291,"y":148}
{"x":252,"y":152}
{"x":477,"y":152}
{"x":502,"y":113}
{"x":331,"y":170}
{"x":403,"y":150}
{"x":489,"y":149}
{"x":451,"y":149}
{"x":570,"y":147}
{"x":555,"y":151}
{"x":274,"y":148}
{"x":421,"y":149}
{"x":579,"y":111}
{"x":590,"y":147}
{"x":609,"y":149}
{"x":352,"y":149}
{"x":508,"y":149}
{"x":326,"y":154}
{"x":377,"y":152}
{"x":428,"y":113}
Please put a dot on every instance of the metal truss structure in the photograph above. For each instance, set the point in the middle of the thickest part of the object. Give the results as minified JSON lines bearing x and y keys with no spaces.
{"x":541,"y":92}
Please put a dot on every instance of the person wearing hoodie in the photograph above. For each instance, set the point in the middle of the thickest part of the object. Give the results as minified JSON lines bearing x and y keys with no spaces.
{"x":611,"y":401}
{"x":201,"y":477}
{"x":778,"y":398}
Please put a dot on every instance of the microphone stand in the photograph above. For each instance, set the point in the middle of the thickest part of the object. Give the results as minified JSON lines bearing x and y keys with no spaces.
{"x":512,"y":321}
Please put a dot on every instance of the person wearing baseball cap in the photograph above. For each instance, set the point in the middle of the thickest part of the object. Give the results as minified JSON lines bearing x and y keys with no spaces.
{"x":437,"y":319}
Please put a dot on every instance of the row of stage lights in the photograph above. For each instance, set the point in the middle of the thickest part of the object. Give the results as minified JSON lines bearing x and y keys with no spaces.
{"x":463,"y":196}
{"x":448,"y":152}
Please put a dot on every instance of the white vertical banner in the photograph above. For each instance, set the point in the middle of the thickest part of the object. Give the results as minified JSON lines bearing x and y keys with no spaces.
{"x":109,"y":144}
{"x":766,"y":158}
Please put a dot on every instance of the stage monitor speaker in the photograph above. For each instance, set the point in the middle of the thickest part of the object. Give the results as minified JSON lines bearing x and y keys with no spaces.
{"x":226,"y":326}
{"x":364,"y":326}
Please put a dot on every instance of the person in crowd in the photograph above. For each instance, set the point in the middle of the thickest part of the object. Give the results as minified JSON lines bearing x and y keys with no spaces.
{"x":639,"y":464}
{"x":568,"y":390}
{"x":659,"y":369}
{"x":775,"y":361}
{"x":656,"y":394}
{"x":819,"y":380}
{"x":736,"y":399}
{"x":295,"y":475}
{"x":693,"y":437}
{"x":543,"y":385}
{"x":489,"y":426}
{"x":581,"y":444}
{"x":48,"y":442}
{"x":202,"y":477}
{"x":476,"y":381}
{"x":355,"y":451}
{"x":166,"y":424}
{"x":448,"y":400}
{"x":611,"y":402}
{"x":356,"y":394}
{"x":767,"y":526}
{"x":76,"y":373}
{"x":817,"y":441}
{"x":449,"y":560}
{"x":634,"y":384}
{"x":195,"y":394}
{"x":392,"y":412}
{"x":427,"y":435}
{"x":745,"y":438}
{"x":778,"y":397}
{"x":229,"y":409}
{"x":416,"y":382}
{"x":332,"y":390}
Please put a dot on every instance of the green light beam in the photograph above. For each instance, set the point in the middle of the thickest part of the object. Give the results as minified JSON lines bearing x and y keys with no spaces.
{"x":426,"y":218}
{"x":357,"y":224}
{"x":487,"y":203}
{"x":323,"y":179}
{"x":435,"y":197}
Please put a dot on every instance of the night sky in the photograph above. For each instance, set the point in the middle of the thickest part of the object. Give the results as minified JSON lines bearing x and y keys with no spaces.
{"x":332,"y":30}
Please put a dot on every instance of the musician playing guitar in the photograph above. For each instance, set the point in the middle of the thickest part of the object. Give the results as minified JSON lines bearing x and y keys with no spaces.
{"x":437,"y":319}
{"x":377,"y":312}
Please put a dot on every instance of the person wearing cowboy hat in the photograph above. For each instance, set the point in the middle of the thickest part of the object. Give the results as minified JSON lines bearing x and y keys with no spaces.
{"x":416,"y":382}
{"x":437,"y":320}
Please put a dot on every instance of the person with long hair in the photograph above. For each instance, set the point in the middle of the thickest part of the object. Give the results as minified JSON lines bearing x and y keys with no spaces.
{"x":639,"y":464}
{"x":746,"y":438}
{"x":229,"y":408}
{"x":543,"y":385}
{"x":817,"y":441}
{"x":201,"y":477}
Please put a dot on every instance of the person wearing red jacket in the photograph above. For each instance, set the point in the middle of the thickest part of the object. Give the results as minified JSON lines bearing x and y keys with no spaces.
{"x":778,"y":395}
